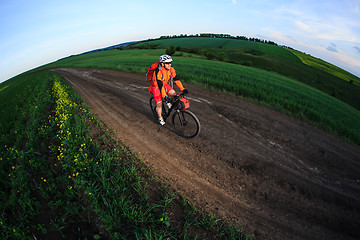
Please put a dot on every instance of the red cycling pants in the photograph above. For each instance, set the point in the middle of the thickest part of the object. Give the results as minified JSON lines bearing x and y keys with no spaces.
{"x":156,"y":92}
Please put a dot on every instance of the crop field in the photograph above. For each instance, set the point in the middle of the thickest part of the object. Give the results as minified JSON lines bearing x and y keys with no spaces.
{"x":290,"y":63}
{"x":228,"y":45}
{"x":327,"y":67}
{"x":64,"y":177}
{"x":205,"y":42}
{"x":278,"y":92}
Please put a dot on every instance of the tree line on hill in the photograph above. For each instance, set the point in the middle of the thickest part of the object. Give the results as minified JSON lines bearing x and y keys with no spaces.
{"x":216,"y":35}
{"x":210,"y":55}
{"x":171,"y":50}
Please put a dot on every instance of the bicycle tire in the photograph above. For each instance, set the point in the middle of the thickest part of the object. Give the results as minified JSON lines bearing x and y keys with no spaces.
{"x":186,"y":124}
{"x":153,"y":109}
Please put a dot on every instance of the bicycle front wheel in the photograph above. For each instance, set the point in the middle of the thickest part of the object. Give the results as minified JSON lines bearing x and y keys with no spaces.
{"x":186,"y":124}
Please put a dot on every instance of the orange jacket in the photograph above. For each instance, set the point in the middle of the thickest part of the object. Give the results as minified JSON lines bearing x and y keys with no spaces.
{"x":161,"y":77}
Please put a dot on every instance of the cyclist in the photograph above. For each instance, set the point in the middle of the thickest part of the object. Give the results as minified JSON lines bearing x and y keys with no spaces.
{"x":160,"y":87}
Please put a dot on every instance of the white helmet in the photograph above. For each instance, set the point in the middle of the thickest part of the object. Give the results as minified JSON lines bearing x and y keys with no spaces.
{"x":165,"y":58}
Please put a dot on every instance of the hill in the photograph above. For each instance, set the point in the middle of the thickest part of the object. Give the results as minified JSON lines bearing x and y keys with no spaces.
{"x":64,"y":175}
{"x":276,"y":91}
{"x":314,"y":72}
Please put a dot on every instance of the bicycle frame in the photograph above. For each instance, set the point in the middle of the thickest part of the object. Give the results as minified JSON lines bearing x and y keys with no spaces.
{"x":185,"y":123}
{"x":167,"y":111}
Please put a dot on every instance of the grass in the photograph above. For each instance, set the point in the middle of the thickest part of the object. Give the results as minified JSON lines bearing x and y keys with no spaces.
{"x":290,"y":63}
{"x":278,"y":92}
{"x":203,"y":42}
{"x":271,"y":89}
{"x":63,"y":175}
{"x":327,"y":67}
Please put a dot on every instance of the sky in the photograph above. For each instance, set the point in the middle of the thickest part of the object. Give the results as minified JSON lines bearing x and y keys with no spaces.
{"x":37,"y":32}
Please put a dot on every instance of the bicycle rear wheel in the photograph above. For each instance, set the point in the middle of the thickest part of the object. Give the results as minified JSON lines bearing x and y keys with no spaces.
{"x":153,"y":109}
{"x":186,"y":124}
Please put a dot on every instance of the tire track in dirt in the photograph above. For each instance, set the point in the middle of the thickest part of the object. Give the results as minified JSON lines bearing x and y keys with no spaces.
{"x":276,"y":176}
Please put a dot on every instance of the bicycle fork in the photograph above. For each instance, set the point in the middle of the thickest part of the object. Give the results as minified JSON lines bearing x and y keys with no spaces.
{"x":182,"y":119}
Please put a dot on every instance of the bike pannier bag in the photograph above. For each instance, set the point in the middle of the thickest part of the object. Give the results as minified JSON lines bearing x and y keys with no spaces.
{"x":182,"y":104}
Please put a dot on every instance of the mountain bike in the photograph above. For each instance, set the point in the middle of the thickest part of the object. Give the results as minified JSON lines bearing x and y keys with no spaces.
{"x":185,"y":123}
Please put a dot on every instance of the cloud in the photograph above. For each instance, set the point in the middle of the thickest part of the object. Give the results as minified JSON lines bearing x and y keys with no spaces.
{"x":285,"y":11}
{"x":357,"y":49}
{"x":327,"y":31}
{"x":331,"y":49}
{"x":333,"y":53}
{"x":234,"y":1}
{"x":348,"y":63}
{"x":304,"y":27}
{"x":278,"y":36}
{"x":354,"y":6}
{"x":319,"y":21}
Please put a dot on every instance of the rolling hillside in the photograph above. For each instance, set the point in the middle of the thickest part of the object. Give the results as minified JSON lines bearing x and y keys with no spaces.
{"x":314,"y":72}
{"x":71,"y":165}
{"x":285,"y":94}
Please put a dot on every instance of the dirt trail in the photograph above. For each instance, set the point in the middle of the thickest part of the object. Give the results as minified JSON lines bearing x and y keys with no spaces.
{"x":275,"y":175}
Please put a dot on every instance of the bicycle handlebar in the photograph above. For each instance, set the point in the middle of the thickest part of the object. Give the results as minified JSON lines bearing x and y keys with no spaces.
{"x":182,"y":94}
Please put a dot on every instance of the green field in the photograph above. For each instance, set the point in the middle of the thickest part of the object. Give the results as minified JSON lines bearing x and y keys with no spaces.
{"x":271,"y":89}
{"x":62,"y":172}
{"x":290,"y":63}
{"x":50,"y":142}
{"x":327,"y":67}
{"x":205,"y":42}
